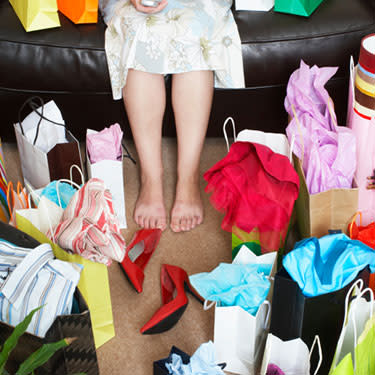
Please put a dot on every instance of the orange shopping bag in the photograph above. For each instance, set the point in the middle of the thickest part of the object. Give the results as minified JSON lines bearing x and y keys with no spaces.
{"x":365,"y":234}
{"x":79,"y":11}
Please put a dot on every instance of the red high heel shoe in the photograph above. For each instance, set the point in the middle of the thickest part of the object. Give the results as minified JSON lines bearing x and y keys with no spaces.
{"x":137,"y":255}
{"x":174,"y":284}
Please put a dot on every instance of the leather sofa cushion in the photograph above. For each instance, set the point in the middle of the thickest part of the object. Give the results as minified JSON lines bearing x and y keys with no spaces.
{"x":72,"y":58}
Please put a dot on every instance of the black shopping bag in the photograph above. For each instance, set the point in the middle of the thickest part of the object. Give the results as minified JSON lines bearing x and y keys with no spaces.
{"x":79,"y":356}
{"x":40,"y":167}
{"x":159,"y":366}
{"x":294,"y":315}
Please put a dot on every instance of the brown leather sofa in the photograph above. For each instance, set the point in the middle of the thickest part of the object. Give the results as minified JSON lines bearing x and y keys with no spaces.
{"x":68,"y":64}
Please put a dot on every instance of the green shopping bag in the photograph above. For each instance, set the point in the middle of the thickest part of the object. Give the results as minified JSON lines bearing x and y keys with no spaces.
{"x":298,"y":7}
{"x":355,"y":355}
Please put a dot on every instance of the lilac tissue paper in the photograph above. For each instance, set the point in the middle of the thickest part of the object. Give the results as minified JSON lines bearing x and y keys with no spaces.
{"x":327,"y":151}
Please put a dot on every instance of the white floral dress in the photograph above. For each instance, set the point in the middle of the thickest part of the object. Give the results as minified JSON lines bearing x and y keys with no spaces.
{"x":187,"y":35}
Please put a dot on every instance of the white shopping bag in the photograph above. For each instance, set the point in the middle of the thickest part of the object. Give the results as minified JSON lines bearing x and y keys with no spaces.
{"x":255,"y":5}
{"x":240,"y":337}
{"x":48,"y":153}
{"x":112,"y":173}
{"x":292,"y":357}
{"x":277,"y":142}
{"x":350,"y":352}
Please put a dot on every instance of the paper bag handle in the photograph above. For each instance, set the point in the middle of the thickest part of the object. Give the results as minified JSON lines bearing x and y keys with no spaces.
{"x":34,"y":106}
{"x":208,"y":304}
{"x":299,"y":126}
{"x":128,"y":155}
{"x":353,"y":221}
{"x":319,"y":345}
{"x":225,"y":131}
{"x":75,"y":166}
{"x":58,"y":188}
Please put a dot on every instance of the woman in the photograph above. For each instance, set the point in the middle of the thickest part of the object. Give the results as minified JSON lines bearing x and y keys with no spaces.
{"x":197,"y":42}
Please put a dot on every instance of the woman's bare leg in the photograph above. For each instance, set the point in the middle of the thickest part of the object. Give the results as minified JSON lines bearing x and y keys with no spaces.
{"x":191,"y":100}
{"x":144,"y":98}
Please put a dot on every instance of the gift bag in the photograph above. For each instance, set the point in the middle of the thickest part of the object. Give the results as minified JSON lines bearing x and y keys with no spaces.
{"x":292,"y":357}
{"x":365,"y":234}
{"x":294,"y":315}
{"x":254,"y":5}
{"x":231,"y":181}
{"x":47,"y":149}
{"x":298,"y":7}
{"x":159,"y":366}
{"x":354,"y":351}
{"x":239,"y":337}
{"x":36,"y":15}
{"x":79,"y":11}
{"x":112,"y":173}
{"x":364,"y":130}
{"x":93,"y":284}
{"x":4,"y":209}
{"x":67,"y":360}
{"x":17,"y":200}
{"x":317,"y":213}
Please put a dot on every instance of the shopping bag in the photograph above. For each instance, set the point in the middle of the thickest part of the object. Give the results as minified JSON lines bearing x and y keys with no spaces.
{"x":239,"y":337}
{"x":365,"y":234}
{"x":159,"y":366}
{"x":16,"y":199}
{"x":4,"y":209}
{"x":292,"y":357}
{"x":270,"y":237}
{"x":364,"y":130}
{"x":78,"y":324}
{"x":93,"y":284}
{"x":36,"y":15}
{"x":317,"y":213}
{"x":294,"y":315}
{"x":79,"y":11}
{"x":53,"y":162}
{"x":112,"y":173}
{"x":298,"y":7}
{"x":255,"y":5}
{"x":354,"y":351}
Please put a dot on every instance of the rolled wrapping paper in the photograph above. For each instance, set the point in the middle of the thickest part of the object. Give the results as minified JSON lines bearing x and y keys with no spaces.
{"x":364,"y":103}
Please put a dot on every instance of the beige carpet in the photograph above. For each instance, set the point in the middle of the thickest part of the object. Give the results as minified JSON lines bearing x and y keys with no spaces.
{"x":200,"y":250}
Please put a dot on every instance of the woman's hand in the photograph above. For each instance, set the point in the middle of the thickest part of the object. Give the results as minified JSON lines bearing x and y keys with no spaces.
{"x":140,"y":8}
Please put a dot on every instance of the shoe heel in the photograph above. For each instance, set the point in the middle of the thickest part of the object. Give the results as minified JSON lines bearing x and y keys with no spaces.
{"x":190,"y":289}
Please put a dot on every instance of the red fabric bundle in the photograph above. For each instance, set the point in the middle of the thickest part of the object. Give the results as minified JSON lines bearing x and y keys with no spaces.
{"x":256,"y":189}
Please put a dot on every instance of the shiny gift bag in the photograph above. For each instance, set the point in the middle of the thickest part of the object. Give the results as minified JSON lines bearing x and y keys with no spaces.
{"x":36,"y":14}
{"x":297,"y":7}
{"x":79,"y":11}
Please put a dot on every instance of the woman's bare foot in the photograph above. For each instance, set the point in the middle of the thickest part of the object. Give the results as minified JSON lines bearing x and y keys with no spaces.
{"x":187,"y":211}
{"x":149,"y":210}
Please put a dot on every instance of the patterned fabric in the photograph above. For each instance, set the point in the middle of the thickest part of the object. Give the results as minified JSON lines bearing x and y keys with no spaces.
{"x":89,"y":226}
{"x":187,"y":35}
{"x":30,"y":278}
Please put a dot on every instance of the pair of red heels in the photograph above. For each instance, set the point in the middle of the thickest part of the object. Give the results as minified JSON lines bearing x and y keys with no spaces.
{"x":174,"y":281}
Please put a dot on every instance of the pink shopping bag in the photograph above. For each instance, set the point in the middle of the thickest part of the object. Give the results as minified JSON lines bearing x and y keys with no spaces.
{"x":364,"y":129}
